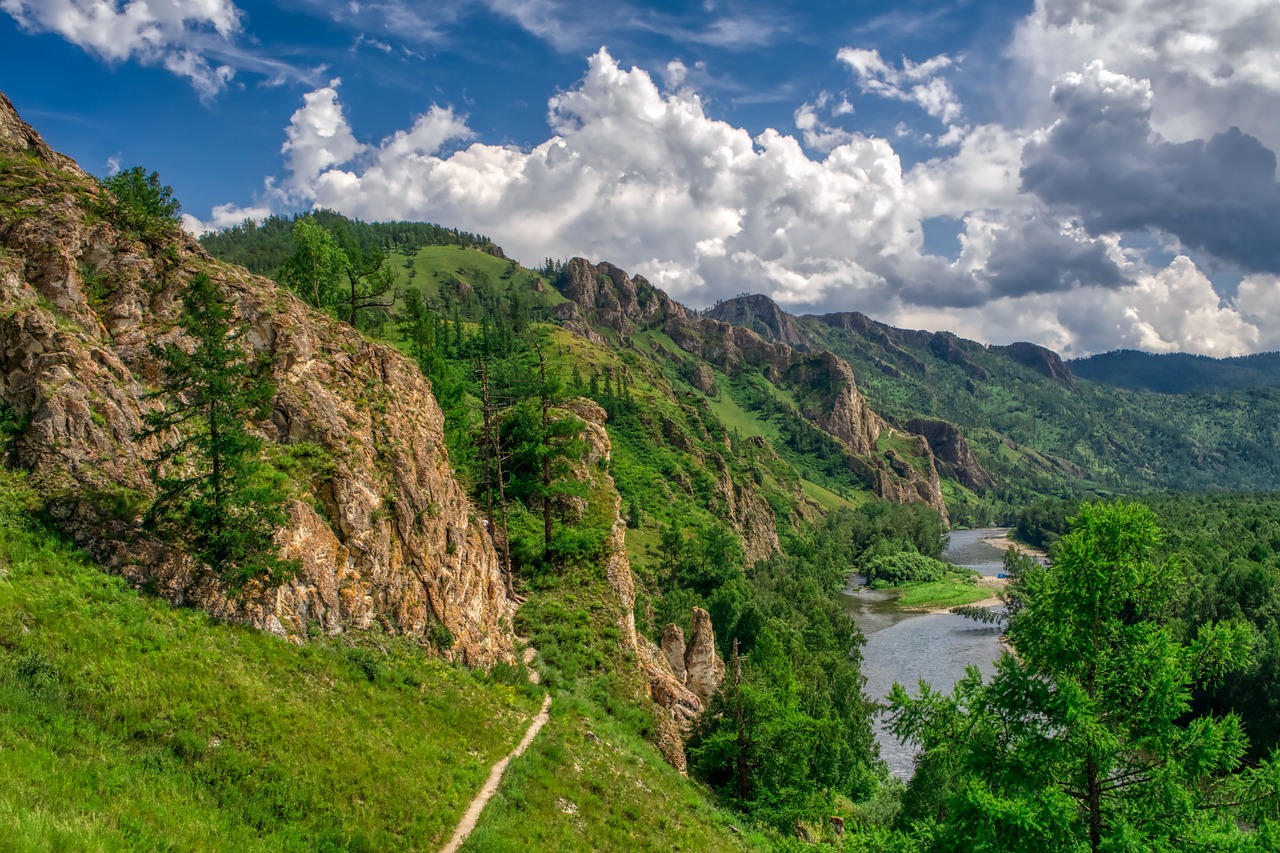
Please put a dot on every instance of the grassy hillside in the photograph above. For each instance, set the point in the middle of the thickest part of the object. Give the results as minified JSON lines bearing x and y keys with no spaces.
{"x":170,"y":731}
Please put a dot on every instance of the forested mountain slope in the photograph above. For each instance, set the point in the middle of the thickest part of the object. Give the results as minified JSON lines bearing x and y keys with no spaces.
{"x":1035,"y":425}
{"x":382,"y":531}
{"x":468,"y":472}
{"x":1180,"y":372}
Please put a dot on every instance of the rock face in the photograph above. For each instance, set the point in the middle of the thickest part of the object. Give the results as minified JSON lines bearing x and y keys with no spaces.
{"x":703,"y":378}
{"x":844,"y":412}
{"x":1045,"y":361}
{"x":611,"y":298}
{"x":673,"y":649}
{"x":680,"y":679}
{"x":761,"y":315}
{"x":606,"y":296}
{"x":383,"y":533}
{"x":680,"y":705}
{"x":704,"y":667}
{"x":952,"y":453}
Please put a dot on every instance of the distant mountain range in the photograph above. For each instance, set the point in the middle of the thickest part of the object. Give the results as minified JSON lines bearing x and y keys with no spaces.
{"x":1179,"y":372}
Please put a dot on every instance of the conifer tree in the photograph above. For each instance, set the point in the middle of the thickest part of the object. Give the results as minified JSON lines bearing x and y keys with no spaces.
{"x":214,"y":495}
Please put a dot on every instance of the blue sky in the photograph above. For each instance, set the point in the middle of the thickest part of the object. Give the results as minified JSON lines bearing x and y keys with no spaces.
{"x":1084,"y":174}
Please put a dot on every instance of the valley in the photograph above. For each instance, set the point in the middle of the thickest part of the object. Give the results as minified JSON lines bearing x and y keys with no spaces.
{"x":488,"y":489}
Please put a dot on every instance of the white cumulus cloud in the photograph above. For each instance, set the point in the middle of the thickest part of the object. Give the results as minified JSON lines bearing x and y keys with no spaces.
{"x":919,"y":83}
{"x":170,"y":33}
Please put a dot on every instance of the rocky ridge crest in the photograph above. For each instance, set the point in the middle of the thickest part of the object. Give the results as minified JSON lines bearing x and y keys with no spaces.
{"x":605,"y":295}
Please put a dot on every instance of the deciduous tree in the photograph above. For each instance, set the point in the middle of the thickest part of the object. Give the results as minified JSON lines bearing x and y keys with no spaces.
{"x":1082,"y":740}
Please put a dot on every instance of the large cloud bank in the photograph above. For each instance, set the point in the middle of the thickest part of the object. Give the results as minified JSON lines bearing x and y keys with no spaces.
{"x":1142,"y":159}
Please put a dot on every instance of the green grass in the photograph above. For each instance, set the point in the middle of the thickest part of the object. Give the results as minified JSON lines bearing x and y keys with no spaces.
{"x":126,"y":724}
{"x":435,"y":265}
{"x":825,"y":498}
{"x":944,"y":593}
{"x":588,"y":784}
{"x":735,"y":416}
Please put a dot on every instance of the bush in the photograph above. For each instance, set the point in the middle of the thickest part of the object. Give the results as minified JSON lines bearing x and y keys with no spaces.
{"x":143,"y":204}
{"x":905,"y":567}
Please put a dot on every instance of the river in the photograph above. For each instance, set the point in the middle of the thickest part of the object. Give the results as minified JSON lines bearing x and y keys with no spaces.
{"x":933,"y":647}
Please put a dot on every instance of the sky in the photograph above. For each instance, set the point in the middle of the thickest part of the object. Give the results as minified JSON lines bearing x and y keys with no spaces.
{"x":1085,"y":174}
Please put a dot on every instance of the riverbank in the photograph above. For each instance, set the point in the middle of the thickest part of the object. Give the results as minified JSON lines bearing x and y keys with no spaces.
{"x":999,"y":538}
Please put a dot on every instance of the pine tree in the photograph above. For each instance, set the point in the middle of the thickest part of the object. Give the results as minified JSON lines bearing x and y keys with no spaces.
{"x":214,"y":495}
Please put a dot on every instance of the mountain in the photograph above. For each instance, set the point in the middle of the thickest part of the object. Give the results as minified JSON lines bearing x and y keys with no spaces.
{"x":527,"y":477}
{"x":1180,"y":372}
{"x":504,"y":485}
{"x":1038,"y":424}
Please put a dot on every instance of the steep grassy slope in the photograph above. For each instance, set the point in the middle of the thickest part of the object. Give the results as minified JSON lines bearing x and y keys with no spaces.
{"x":171,"y":731}
{"x":587,"y":784}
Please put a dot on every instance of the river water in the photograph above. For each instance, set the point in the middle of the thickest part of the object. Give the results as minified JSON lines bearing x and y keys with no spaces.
{"x":934,"y":647}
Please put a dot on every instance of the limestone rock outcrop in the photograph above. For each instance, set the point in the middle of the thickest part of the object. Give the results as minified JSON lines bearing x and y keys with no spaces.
{"x":673,"y":649}
{"x":952,"y":453}
{"x":761,"y":315}
{"x":611,"y":298}
{"x":703,"y":665}
{"x":842,"y":410}
{"x":667,"y":682}
{"x":384,"y":534}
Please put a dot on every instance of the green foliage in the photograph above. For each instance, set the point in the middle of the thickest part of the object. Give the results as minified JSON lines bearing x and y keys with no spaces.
{"x":806,"y":726}
{"x":213,"y":492}
{"x":766,"y":745}
{"x":264,"y":247}
{"x":314,"y":271}
{"x":12,"y":426}
{"x":1083,"y":741}
{"x":1180,"y":372}
{"x":904,"y":566}
{"x":337,"y":274}
{"x":1039,"y":435}
{"x":143,"y":204}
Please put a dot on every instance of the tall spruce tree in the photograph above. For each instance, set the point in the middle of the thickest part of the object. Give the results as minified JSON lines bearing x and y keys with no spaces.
{"x":214,"y":495}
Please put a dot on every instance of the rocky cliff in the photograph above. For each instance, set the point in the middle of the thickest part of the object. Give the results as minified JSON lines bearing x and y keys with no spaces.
{"x":384,"y":535}
{"x":761,"y":315}
{"x":952,"y":453}
{"x":604,"y":295}
{"x":681,"y":689}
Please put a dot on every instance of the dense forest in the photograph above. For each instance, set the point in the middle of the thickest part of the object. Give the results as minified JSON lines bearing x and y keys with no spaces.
{"x":1179,"y":373}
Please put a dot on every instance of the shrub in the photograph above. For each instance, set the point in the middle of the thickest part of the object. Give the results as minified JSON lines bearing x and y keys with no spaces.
{"x":143,"y":204}
{"x":905,"y":567}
